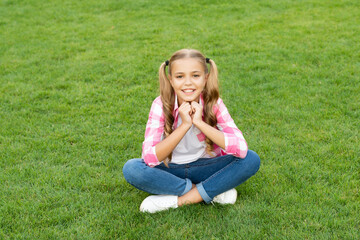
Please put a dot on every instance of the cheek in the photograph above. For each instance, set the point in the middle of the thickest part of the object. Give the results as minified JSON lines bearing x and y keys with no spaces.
{"x":178,"y":87}
{"x":175,"y":85}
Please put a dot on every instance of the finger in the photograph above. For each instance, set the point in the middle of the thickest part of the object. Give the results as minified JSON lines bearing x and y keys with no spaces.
{"x":185,"y":107}
{"x":195,"y":104}
{"x":184,"y":104}
{"x":192,"y":108}
{"x":191,"y":111}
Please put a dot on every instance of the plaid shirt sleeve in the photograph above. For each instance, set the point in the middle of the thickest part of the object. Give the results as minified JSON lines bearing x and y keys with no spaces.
{"x":153,"y":133}
{"x":235,"y":143}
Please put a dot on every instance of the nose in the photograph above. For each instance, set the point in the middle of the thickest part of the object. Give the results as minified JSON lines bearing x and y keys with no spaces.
{"x":187,"y":81}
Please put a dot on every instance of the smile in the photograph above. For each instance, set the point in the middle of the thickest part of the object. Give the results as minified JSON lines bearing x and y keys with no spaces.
{"x":188,"y":91}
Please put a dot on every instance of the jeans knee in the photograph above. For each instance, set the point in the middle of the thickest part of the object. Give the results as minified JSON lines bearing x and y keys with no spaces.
{"x":254,"y":160}
{"x":131,"y":168}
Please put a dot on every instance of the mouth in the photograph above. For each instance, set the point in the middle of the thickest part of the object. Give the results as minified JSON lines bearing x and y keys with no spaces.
{"x":188,"y":91}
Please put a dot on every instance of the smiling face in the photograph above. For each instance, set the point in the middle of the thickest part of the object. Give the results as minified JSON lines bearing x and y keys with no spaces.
{"x":188,"y":79}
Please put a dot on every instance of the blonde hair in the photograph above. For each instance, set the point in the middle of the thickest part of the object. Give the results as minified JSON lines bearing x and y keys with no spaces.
{"x":210,"y":93}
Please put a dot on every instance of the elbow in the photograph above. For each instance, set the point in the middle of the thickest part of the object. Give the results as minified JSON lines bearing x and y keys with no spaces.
{"x":242,"y":154}
{"x":151,"y":162}
{"x":150,"y":158}
{"x":242,"y":149}
{"x":236,"y":146}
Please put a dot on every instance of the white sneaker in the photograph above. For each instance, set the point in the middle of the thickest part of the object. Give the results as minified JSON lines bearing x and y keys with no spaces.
{"x":157,"y":203}
{"x":228,"y":197}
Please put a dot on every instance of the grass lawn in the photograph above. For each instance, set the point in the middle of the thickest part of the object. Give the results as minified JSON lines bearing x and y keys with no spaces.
{"x":77,"y":79}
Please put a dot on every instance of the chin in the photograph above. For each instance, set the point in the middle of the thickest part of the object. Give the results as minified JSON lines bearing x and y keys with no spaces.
{"x":186,"y":98}
{"x":190,"y":99}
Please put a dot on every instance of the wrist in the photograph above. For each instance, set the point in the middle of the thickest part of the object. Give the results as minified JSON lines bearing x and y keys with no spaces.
{"x":185,"y":126}
{"x":198,"y":123}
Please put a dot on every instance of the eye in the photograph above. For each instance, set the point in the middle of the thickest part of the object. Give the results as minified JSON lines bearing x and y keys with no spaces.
{"x":179,"y":76}
{"x":196,"y":75}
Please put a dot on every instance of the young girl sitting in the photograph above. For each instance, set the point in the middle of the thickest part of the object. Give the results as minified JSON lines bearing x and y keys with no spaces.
{"x":192,"y":151}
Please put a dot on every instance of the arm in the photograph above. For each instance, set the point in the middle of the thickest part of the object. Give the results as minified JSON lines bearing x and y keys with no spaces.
{"x":235,"y":143}
{"x":229,"y":137}
{"x":153,"y":133}
{"x":166,"y":146}
{"x":214,"y":134}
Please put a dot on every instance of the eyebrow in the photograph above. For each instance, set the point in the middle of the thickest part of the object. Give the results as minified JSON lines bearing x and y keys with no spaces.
{"x":191,"y":72}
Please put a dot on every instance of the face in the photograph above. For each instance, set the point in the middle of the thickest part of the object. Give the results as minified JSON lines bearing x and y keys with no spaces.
{"x":188,"y":79}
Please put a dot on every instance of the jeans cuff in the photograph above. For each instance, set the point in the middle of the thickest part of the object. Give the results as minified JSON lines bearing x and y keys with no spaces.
{"x":188,"y":186}
{"x":203,"y":193}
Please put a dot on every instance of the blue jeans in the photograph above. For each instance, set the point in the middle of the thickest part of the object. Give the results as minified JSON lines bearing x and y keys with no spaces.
{"x":212,"y":176}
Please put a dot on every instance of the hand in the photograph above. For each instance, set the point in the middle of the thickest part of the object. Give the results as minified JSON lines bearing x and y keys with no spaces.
{"x":197,"y":110}
{"x":185,"y":112}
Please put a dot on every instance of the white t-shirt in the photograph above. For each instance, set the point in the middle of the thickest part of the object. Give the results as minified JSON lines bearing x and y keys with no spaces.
{"x":189,"y":148}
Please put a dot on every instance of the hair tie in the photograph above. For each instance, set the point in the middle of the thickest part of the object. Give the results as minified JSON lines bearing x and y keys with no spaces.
{"x":167,"y":62}
{"x":208,"y":60}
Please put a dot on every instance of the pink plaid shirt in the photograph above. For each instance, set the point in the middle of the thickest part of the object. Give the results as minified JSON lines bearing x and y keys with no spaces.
{"x":235,"y":143}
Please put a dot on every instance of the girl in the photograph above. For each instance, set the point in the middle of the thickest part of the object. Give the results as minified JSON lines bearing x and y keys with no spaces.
{"x":192,"y":151}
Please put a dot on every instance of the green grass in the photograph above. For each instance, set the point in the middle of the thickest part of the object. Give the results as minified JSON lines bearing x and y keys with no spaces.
{"x":77,"y":79}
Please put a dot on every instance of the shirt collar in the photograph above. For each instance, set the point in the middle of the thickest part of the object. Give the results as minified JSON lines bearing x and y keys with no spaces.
{"x":176,"y":106}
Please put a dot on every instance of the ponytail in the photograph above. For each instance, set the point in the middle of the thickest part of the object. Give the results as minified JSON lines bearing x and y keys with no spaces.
{"x":211,"y":95}
{"x":167,"y":97}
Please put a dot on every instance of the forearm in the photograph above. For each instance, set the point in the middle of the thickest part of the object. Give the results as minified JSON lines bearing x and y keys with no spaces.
{"x":166,"y":146}
{"x":214,"y":134}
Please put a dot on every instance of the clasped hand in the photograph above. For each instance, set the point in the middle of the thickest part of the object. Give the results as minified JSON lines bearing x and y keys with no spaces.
{"x":191,"y":113}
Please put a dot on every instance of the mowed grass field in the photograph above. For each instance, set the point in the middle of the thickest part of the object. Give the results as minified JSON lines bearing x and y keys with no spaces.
{"x":77,"y":79}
